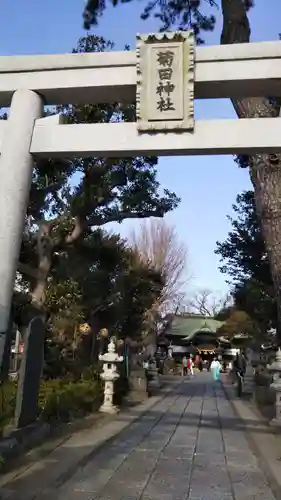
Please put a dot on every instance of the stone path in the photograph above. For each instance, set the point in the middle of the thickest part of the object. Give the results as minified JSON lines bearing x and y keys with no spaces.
{"x":190,"y":446}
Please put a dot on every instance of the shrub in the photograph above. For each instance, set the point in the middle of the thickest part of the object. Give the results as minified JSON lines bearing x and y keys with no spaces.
{"x":65,"y":400}
{"x":59,"y":399}
{"x":8,"y":393}
{"x":92,"y":372}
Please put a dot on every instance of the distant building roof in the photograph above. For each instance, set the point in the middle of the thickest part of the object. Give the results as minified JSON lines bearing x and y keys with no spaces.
{"x":188,"y":325}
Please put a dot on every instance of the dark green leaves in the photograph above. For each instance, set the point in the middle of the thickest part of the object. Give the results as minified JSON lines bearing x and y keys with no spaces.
{"x":244,"y":258}
{"x":179,"y":14}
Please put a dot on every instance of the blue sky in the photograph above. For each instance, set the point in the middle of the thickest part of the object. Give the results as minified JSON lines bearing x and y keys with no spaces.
{"x":207,"y":185}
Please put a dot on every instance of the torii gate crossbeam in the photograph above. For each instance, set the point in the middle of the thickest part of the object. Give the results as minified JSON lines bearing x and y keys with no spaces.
{"x":247,"y":70}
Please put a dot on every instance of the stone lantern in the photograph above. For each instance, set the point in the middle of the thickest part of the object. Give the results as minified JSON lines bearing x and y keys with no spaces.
{"x":275,"y":368}
{"x":110,"y":374}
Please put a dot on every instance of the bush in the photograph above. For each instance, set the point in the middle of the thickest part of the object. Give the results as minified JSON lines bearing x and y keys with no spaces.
{"x":92,"y":372}
{"x":8,"y":394}
{"x":59,"y":399}
{"x":64,"y":400}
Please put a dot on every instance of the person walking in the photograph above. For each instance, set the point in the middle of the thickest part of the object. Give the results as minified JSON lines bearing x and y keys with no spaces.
{"x":216,"y":369}
{"x":240,"y":364}
{"x":184,"y":366}
{"x":190,"y":366}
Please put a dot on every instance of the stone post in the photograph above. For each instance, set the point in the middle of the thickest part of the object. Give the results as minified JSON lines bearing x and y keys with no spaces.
{"x":153,"y":376}
{"x":109,"y":375}
{"x":16,"y":165}
{"x":30,"y":373}
{"x":275,"y":368}
{"x":249,"y":374}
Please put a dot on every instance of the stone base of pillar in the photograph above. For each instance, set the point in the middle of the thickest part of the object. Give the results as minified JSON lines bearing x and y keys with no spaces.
{"x":138,"y":385}
{"x":110,"y":409}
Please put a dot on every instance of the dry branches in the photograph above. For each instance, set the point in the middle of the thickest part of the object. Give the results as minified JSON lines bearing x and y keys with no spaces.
{"x":158,"y":244}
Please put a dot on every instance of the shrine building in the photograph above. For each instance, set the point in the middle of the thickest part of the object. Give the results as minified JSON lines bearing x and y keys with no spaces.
{"x":192,"y":334}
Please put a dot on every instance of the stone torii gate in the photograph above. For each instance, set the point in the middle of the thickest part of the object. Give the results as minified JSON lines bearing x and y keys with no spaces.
{"x":163,"y":76}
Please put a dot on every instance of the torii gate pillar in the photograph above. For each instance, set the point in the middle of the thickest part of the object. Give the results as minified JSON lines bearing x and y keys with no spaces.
{"x":16,"y":164}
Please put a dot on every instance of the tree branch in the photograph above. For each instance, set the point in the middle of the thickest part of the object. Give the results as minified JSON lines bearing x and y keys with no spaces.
{"x":98,"y":220}
{"x":79,"y":228}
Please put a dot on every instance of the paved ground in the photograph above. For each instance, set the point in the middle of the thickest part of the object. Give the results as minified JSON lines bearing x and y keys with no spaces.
{"x":190,"y":446}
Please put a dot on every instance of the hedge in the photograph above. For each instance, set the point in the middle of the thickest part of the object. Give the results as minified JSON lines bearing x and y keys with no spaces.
{"x":63,"y":399}
{"x":59,"y":399}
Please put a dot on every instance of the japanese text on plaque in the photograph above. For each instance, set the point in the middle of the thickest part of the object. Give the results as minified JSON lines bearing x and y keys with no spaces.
{"x":165,"y":87}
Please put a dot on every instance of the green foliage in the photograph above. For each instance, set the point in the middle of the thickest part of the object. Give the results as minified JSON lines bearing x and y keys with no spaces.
{"x":238,"y":322}
{"x":64,"y":400}
{"x":141,"y":287}
{"x":112,"y":287}
{"x":64,"y":303}
{"x":92,"y":372}
{"x":61,"y":399}
{"x":244,"y":258}
{"x":54,"y":363}
{"x":7,"y":402}
{"x":198,"y":15}
{"x":184,"y":14}
{"x":258,"y":300}
{"x":243,"y":254}
{"x":62,"y":296}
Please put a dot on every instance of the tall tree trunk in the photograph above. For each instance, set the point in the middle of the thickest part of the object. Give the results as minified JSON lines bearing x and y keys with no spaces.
{"x":45,"y":248}
{"x":45,"y":257}
{"x":265,"y":170}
